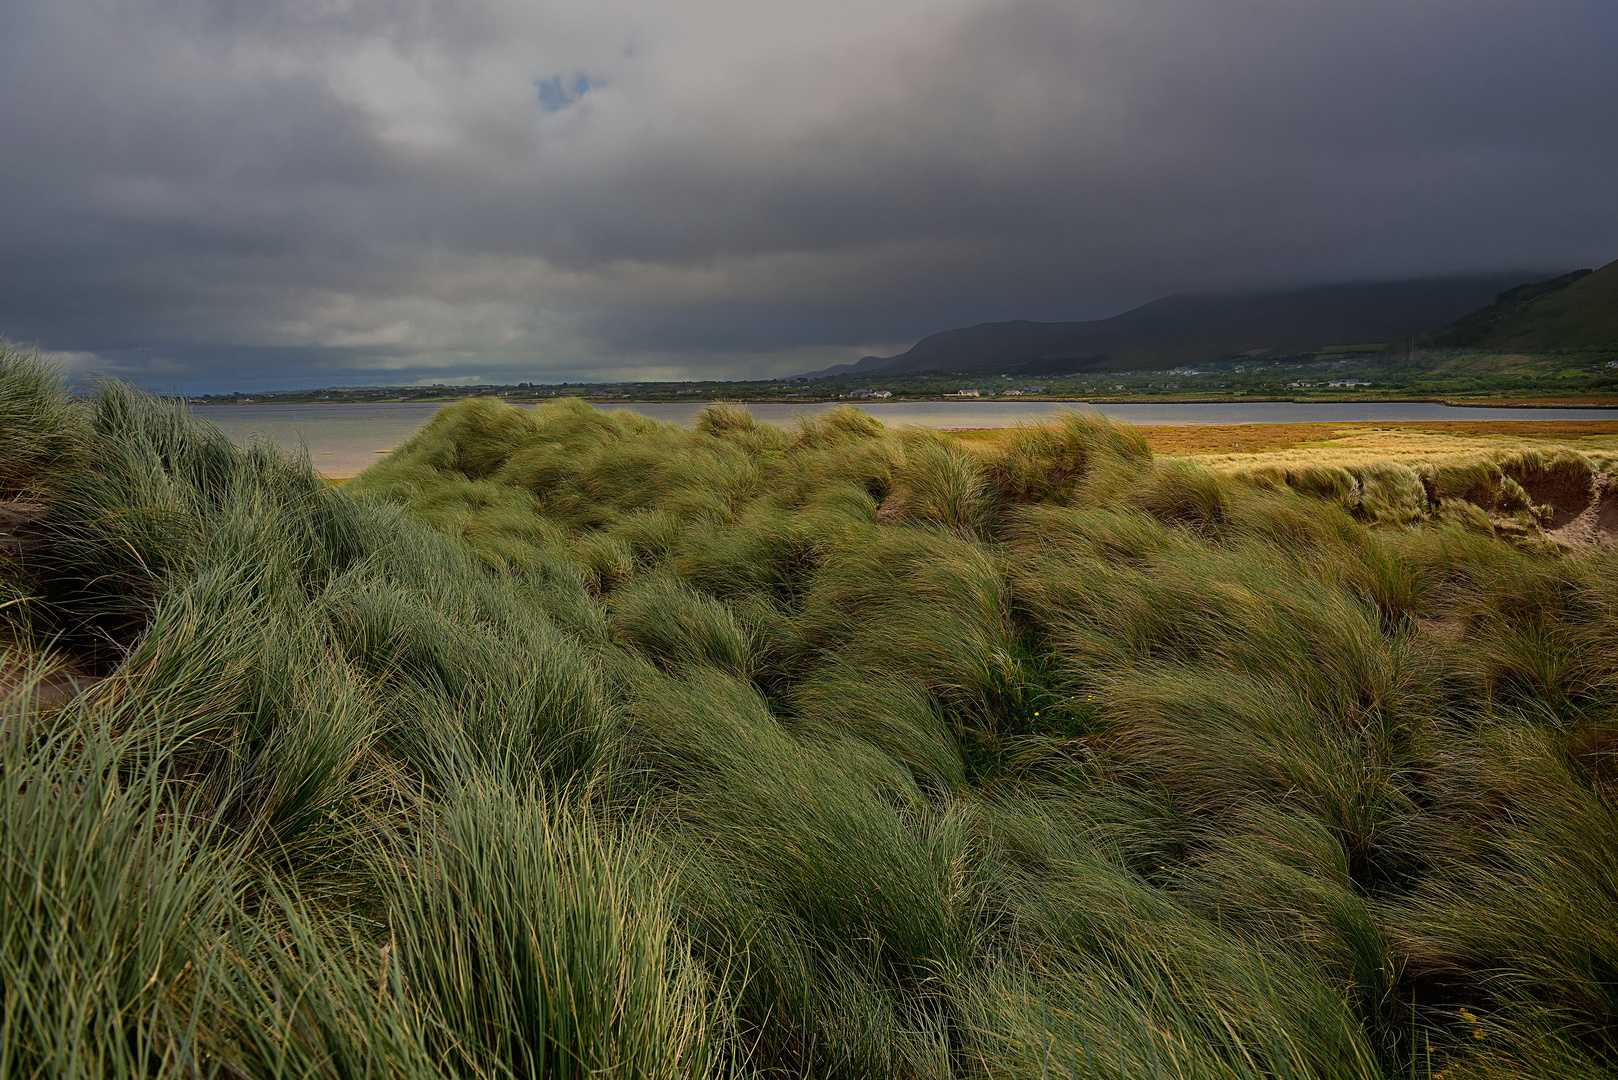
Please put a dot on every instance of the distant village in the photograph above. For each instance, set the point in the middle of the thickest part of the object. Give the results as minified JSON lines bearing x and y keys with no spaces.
{"x":863,"y":395}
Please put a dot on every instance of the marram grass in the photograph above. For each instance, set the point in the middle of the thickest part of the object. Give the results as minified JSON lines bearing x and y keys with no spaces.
{"x":573,"y":744}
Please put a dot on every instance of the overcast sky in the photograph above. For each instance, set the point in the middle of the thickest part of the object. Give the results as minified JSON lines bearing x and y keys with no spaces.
{"x":249,"y":194}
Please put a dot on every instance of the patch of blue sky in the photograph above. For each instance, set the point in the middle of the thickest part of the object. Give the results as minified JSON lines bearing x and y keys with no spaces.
{"x":558,"y":92}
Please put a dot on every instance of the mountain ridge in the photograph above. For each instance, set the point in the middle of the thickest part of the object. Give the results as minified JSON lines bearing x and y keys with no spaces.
{"x":1582,"y":314}
{"x":1191,"y":328}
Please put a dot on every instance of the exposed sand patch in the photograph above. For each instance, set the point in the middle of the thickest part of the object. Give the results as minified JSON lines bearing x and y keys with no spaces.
{"x":55,"y":680}
{"x":19,"y":527}
{"x":1597,"y":521}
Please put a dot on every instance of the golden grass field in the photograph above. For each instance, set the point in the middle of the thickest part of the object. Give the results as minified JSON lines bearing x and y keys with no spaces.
{"x":1228,"y":447}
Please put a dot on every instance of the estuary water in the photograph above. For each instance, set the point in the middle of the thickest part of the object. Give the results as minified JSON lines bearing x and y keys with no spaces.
{"x":345,"y":438}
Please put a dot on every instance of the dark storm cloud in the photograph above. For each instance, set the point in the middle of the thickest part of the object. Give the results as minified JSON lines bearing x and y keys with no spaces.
{"x":222,"y":193}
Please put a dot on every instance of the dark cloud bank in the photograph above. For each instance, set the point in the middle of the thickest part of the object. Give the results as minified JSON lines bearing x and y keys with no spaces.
{"x":219,"y":194}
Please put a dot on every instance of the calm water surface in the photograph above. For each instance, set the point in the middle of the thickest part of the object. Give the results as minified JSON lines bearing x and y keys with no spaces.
{"x":343,"y":439}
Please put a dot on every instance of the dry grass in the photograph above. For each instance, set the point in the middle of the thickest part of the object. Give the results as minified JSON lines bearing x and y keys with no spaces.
{"x":1404,"y":446}
{"x":1590,"y":401}
{"x":1417,"y":459}
{"x":1445,"y":435}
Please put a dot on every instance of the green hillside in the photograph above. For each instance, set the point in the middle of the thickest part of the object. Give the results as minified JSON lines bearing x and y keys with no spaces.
{"x":1582,"y":315}
{"x":1475,"y":327}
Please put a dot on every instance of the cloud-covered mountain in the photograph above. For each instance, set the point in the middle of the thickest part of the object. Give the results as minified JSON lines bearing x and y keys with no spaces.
{"x":1194,"y":329}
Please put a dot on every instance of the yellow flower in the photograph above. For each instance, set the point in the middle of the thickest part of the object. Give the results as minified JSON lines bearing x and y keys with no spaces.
{"x":1468,"y":1017}
{"x":1477,"y":1034}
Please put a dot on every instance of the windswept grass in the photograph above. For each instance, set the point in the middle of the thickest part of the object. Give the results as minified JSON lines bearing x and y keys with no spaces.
{"x":564,"y":743}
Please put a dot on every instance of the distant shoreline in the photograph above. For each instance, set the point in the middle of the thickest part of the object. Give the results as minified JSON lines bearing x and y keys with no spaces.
{"x":1603,"y":402}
